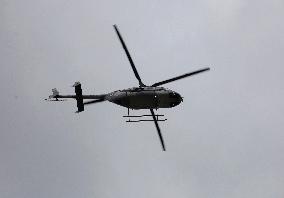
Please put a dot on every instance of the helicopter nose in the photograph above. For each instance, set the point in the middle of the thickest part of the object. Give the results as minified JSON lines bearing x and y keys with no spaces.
{"x":180,"y":99}
{"x":176,"y":99}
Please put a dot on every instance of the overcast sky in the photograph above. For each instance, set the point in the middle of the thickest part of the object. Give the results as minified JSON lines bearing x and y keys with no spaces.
{"x":225,"y":140}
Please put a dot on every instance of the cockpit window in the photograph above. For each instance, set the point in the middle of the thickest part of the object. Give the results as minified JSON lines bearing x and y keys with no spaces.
{"x":172,"y":95}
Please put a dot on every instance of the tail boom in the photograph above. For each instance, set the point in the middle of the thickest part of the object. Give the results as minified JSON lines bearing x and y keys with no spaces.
{"x":78,"y":96}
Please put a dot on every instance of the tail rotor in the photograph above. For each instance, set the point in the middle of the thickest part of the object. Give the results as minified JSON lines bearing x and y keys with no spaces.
{"x":79,"y":97}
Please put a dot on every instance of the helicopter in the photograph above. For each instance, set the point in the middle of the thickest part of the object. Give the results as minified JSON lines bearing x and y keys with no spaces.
{"x":135,"y":98}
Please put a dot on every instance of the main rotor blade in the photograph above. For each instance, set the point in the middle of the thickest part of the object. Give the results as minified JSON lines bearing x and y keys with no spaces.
{"x":180,"y":77}
{"x":93,"y":101}
{"x":128,"y":56}
{"x":158,"y":129}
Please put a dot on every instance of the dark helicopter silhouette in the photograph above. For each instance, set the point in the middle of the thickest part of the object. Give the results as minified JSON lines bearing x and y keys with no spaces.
{"x":142,"y":97}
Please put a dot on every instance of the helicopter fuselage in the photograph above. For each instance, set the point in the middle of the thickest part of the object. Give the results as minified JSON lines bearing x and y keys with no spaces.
{"x":145,"y":98}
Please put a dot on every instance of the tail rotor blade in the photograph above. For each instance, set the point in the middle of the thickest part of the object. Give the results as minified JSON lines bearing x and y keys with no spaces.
{"x":180,"y":77}
{"x":128,"y":56}
{"x":158,"y":129}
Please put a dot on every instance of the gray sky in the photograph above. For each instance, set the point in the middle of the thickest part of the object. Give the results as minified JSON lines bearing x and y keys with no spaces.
{"x":225,"y":140}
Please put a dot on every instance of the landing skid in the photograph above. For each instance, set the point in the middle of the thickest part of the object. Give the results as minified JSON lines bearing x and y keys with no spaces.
{"x":143,"y":116}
